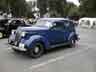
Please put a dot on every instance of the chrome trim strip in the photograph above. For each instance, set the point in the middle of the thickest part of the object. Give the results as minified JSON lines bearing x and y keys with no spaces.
{"x":18,"y":48}
{"x":57,"y":45}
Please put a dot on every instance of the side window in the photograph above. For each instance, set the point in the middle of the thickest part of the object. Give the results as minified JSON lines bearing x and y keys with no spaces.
{"x":87,"y":22}
{"x":83,"y":22}
{"x":18,"y":22}
{"x":22,"y":22}
{"x":58,"y":25}
{"x":13,"y":22}
{"x":94,"y":23}
{"x":69,"y":25}
{"x":66,"y":24}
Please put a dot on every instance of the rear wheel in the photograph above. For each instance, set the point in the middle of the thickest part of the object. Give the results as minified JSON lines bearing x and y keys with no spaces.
{"x":37,"y":51}
{"x":72,"y":43}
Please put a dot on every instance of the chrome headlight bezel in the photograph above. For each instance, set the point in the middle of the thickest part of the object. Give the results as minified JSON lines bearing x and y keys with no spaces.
{"x":23,"y":34}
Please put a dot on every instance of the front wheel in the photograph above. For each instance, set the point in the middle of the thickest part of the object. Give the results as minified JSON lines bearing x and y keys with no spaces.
{"x":37,"y":51}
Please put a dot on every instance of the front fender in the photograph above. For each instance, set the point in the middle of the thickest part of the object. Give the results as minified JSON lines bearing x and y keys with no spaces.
{"x":36,"y":38}
{"x":73,"y":35}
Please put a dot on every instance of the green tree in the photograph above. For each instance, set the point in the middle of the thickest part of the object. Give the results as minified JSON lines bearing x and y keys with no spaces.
{"x":72,"y":9}
{"x":3,"y":5}
{"x":17,"y":7}
{"x":88,"y":8}
{"x":56,"y":7}
{"x":42,"y":5}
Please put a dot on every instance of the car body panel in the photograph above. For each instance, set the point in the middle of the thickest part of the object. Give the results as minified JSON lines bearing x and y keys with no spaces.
{"x":7,"y":25}
{"x":47,"y":36}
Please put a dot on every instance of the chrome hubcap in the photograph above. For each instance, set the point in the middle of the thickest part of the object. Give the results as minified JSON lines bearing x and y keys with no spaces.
{"x":36,"y":50}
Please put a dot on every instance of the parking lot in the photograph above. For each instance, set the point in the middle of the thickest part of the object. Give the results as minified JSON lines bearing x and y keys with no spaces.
{"x":81,"y":58}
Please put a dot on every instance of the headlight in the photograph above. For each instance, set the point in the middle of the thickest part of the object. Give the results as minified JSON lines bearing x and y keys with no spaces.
{"x":23,"y":34}
{"x":21,"y":45}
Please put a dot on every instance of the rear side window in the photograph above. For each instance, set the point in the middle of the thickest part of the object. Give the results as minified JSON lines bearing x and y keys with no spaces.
{"x":59,"y":25}
{"x":69,"y":25}
{"x":66,"y":24}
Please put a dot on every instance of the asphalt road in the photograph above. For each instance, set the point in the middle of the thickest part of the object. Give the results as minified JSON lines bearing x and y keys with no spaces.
{"x":81,"y":58}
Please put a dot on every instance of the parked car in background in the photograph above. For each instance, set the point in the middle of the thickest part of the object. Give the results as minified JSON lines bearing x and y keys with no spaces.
{"x":3,"y":27}
{"x":47,"y":33}
{"x":87,"y":22}
{"x":7,"y":25}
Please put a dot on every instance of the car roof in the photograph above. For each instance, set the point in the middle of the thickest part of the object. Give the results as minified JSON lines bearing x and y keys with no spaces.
{"x":54,"y":19}
{"x":16,"y":18}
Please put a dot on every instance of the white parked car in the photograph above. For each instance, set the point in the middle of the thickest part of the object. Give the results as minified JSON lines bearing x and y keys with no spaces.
{"x":87,"y":22}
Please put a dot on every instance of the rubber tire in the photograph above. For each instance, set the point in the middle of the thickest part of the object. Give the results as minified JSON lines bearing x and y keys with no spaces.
{"x":39,"y":54}
{"x":72,"y":43}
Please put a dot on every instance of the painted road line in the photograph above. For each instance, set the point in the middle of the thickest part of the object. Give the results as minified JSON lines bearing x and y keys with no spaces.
{"x":56,"y":59}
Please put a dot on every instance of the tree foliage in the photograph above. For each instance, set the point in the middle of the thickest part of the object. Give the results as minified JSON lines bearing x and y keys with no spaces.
{"x":42,"y":5}
{"x":55,"y":6}
{"x":88,"y":8}
{"x":72,"y":10}
{"x":17,"y":7}
{"x":58,"y":7}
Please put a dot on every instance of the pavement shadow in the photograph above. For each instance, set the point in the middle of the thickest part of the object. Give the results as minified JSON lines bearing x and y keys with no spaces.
{"x":58,"y":49}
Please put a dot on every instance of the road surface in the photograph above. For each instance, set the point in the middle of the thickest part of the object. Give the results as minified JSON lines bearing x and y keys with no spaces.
{"x":81,"y":58}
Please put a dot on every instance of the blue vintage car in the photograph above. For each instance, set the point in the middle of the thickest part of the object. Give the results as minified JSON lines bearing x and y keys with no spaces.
{"x":47,"y":33}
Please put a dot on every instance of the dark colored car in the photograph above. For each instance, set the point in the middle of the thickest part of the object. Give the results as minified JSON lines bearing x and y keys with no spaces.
{"x":47,"y":33}
{"x":3,"y":23}
{"x":7,"y":25}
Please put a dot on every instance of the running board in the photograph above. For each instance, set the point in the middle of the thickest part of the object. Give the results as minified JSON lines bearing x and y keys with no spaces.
{"x":58,"y":45}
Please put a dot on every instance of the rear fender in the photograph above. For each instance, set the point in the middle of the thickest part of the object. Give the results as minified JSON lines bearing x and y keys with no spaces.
{"x":73,"y":35}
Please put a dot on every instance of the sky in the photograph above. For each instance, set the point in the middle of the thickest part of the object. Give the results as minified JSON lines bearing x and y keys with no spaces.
{"x":74,"y":1}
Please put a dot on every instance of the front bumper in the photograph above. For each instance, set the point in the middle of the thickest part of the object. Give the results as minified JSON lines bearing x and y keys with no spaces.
{"x":21,"y":47}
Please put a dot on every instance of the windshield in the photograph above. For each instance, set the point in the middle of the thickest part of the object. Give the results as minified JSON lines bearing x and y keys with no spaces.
{"x":43,"y":23}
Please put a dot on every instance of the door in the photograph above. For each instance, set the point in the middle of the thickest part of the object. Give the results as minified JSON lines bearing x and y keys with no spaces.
{"x":56,"y":33}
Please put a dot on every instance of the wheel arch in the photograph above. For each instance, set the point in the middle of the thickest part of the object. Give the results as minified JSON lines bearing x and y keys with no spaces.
{"x":71,"y":36}
{"x":37,"y":38}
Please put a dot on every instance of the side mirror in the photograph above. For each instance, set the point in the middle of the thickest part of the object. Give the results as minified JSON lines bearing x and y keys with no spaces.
{"x":53,"y":26}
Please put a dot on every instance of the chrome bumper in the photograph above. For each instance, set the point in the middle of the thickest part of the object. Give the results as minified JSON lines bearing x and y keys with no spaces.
{"x":19,"y":48}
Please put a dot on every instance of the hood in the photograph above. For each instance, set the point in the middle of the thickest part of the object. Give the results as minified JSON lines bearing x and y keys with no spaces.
{"x":32,"y":28}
